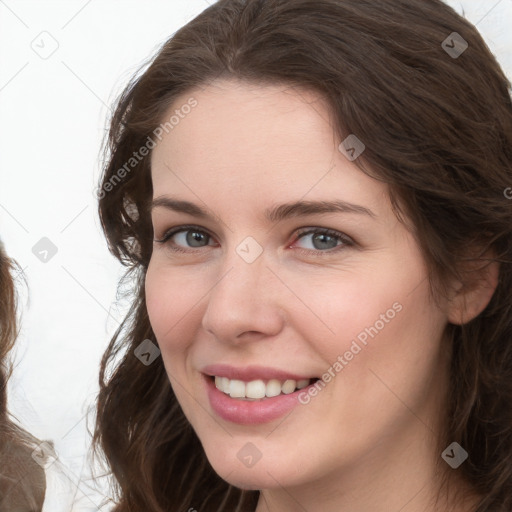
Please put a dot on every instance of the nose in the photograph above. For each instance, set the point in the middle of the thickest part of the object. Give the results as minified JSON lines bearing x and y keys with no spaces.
{"x":245,"y":303}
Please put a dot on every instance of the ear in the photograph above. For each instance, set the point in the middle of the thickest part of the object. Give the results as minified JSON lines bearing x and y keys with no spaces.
{"x":470,"y":298}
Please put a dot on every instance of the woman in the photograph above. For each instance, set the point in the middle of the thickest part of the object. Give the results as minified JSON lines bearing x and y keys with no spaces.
{"x":32,"y":479}
{"x":309,"y":196}
{"x":22,"y":480}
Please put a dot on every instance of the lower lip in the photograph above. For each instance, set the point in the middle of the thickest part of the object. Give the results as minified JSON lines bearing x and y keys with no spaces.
{"x":248,"y":412}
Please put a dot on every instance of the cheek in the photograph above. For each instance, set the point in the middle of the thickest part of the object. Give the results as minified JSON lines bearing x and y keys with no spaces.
{"x":347,"y":307}
{"x":170,"y":303}
{"x":371,"y":316}
{"x":390,"y":345}
{"x":158,"y":300}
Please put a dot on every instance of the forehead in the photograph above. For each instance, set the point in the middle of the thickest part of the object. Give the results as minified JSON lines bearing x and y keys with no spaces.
{"x":270,"y":139}
{"x":233,"y":118}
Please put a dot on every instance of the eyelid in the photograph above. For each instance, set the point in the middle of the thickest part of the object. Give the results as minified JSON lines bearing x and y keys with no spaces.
{"x":325,"y":231}
{"x":300,"y":233}
{"x":178,"y":229}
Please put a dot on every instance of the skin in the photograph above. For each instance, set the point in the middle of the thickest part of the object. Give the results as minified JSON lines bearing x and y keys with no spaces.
{"x":368,"y":440}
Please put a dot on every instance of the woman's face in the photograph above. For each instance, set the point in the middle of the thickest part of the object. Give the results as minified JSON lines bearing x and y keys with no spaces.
{"x":284,"y":263}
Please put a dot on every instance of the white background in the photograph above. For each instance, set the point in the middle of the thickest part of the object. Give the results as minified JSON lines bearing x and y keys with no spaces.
{"x":53,"y":115}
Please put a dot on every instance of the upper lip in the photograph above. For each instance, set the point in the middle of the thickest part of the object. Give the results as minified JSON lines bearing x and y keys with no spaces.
{"x":250,"y":373}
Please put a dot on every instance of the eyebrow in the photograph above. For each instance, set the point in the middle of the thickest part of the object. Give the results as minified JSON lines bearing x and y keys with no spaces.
{"x":274,"y":214}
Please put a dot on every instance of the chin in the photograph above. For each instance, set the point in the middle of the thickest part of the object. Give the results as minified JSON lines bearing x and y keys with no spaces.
{"x":264,"y":474}
{"x":250,"y":479}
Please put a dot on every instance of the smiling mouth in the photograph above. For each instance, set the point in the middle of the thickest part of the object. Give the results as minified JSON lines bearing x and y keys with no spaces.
{"x":259,"y":389}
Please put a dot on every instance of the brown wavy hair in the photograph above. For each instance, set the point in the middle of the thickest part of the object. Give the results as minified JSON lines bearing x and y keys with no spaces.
{"x":437,"y":129}
{"x":22,"y":481}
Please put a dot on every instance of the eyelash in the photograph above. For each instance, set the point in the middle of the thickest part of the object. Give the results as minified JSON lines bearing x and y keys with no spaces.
{"x":346,"y":240}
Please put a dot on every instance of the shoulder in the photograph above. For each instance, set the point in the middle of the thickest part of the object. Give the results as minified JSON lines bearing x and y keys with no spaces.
{"x":22,"y":480}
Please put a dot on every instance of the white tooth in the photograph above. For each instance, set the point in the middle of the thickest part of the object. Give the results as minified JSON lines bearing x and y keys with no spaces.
{"x":224,"y":383}
{"x":255,"y":389}
{"x":289,"y":386}
{"x":218,"y":383}
{"x":273,"y":388}
{"x":302,"y":383}
{"x":236,"y":389}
